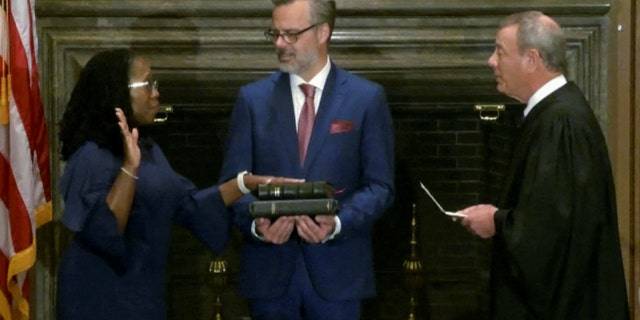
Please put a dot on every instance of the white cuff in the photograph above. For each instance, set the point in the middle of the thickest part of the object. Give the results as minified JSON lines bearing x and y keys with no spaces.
{"x":255,"y":233}
{"x":240,"y":180}
{"x":336,"y":231}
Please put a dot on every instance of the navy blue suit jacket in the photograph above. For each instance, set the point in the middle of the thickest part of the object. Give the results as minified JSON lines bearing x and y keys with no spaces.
{"x":351,"y":147}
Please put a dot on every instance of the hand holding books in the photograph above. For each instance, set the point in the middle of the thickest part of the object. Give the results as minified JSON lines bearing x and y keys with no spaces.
{"x":292,"y":199}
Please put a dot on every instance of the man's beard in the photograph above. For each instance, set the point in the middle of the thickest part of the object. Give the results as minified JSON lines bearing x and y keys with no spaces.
{"x":295,"y":66}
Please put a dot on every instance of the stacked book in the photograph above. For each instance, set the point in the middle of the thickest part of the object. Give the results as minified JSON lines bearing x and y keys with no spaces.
{"x":293,"y":199}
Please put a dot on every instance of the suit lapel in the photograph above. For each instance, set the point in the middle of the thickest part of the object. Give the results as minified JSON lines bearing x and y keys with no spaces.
{"x":284,"y":123}
{"x":330,"y":104}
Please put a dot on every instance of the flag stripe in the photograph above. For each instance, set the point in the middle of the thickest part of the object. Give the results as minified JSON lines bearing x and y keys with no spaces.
{"x":25,"y":88}
{"x":5,"y":305}
{"x":18,"y":215}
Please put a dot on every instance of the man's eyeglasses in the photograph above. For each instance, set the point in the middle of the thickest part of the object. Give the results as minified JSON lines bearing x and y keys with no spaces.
{"x":288,"y":37}
{"x":151,"y":85}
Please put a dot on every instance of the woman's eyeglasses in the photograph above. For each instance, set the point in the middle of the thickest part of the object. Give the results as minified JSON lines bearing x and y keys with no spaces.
{"x":151,"y":85}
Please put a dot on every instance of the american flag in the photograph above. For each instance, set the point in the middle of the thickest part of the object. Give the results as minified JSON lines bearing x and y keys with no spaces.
{"x":25,"y":195}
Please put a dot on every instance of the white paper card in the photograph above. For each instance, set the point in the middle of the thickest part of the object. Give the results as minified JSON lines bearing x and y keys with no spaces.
{"x":449,"y":213}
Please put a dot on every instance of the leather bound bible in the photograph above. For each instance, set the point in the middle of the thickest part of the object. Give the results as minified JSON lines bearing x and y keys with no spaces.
{"x":294,"y":207}
{"x":288,"y":191}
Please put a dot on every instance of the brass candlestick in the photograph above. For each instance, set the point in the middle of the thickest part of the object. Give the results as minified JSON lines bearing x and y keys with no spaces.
{"x":413,"y":263}
{"x":218,"y":271}
{"x":413,"y":268}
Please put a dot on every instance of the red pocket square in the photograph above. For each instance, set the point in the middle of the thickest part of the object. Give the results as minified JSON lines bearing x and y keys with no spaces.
{"x":338,"y":126}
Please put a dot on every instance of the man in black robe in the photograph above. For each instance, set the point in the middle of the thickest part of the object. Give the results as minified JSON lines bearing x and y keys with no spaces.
{"x":556,"y":248}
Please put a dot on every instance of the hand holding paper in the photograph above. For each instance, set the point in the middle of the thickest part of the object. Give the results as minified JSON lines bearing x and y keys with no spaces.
{"x":449,"y":213}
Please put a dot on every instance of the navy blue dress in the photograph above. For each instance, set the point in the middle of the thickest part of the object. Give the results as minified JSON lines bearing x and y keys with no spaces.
{"x":106,"y":274}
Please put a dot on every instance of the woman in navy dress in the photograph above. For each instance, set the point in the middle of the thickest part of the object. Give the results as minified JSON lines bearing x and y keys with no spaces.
{"x":121,"y":196}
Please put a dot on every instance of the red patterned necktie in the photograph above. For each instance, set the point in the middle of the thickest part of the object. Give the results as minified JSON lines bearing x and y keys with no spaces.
{"x":305,"y":122}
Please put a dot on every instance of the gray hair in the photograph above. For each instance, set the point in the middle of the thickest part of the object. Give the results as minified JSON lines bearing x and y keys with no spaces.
{"x":535,"y":32}
{"x":321,"y":11}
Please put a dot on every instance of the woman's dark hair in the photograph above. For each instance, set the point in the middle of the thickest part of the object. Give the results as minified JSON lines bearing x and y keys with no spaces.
{"x":90,"y":115}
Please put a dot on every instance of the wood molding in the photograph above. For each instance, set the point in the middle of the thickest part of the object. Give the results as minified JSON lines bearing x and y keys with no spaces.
{"x":634,"y":90}
{"x":624,"y":137}
{"x":347,"y":8}
{"x":445,"y":56}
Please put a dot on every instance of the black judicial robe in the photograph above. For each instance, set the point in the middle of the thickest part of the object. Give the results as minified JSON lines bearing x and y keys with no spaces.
{"x":556,"y":252}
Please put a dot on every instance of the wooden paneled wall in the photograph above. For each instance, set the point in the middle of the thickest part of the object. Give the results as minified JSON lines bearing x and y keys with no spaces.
{"x":429,"y":55}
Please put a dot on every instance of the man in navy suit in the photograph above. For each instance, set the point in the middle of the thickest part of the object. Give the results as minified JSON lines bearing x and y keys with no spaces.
{"x":303,"y":267}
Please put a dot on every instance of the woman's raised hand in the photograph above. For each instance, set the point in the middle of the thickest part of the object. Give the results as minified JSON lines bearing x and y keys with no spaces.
{"x":129,"y":142}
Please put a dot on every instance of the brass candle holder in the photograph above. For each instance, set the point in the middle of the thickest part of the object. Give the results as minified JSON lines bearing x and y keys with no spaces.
{"x":218,"y":270}
{"x":163,"y":115}
{"x":412,"y":266}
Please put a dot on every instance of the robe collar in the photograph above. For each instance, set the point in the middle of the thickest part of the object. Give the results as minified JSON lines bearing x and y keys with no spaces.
{"x":547,"y":89}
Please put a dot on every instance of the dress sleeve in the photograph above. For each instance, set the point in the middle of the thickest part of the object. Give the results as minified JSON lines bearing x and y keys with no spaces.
{"x":204,"y":214}
{"x":87,"y":179}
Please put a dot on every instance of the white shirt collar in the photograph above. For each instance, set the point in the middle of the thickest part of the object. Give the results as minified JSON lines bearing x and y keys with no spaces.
{"x":548,"y":88}
{"x":317,"y":81}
